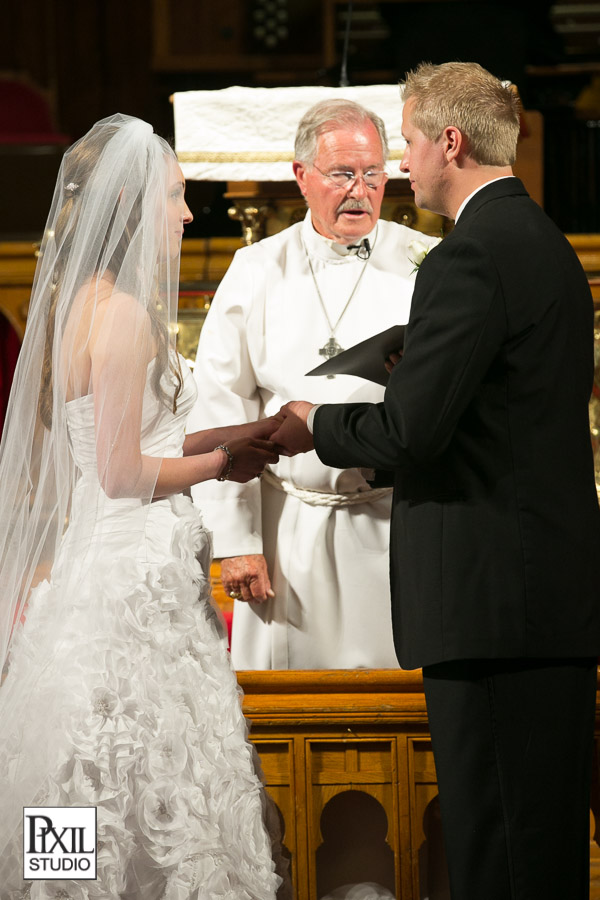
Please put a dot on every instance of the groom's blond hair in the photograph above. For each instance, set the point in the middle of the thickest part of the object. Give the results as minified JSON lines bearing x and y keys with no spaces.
{"x":485,"y":110}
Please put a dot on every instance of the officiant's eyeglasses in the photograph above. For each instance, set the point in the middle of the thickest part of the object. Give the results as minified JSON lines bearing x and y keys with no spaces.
{"x":373,"y":178}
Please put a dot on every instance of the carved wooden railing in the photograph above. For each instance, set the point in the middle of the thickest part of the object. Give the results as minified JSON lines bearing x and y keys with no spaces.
{"x":347,"y":759}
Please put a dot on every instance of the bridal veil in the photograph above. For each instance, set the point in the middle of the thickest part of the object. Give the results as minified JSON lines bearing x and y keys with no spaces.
{"x":107,"y":275}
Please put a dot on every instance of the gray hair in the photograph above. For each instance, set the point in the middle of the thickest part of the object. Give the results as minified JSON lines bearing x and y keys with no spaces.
{"x":484,"y":109}
{"x":329,"y":115}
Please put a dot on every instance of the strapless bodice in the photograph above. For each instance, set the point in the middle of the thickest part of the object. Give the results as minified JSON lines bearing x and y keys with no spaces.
{"x":163,"y":431}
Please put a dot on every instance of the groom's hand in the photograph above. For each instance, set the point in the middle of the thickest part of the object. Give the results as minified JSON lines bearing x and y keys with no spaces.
{"x":392,"y":360}
{"x":293,"y":436}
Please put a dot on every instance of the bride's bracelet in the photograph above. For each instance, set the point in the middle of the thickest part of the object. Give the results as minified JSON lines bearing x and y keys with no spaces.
{"x":224,"y":476}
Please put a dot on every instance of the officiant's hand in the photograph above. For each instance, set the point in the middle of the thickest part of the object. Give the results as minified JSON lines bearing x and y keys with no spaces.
{"x":293,"y":436}
{"x":246,"y":578}
{"x":393,"y":360}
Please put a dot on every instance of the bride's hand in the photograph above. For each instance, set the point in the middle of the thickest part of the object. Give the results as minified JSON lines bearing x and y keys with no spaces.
{"x":250,"y":456}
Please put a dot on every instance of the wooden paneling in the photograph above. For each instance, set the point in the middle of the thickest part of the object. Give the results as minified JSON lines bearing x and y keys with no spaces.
{"x":18,"y":260}
{"x":347,"y":758}
{"x":349,"y":761}
{"x":204,"y":262}
{"x":201,"y":36}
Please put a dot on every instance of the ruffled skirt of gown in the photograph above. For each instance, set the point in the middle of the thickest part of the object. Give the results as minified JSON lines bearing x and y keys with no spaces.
{"x":121,"y":696}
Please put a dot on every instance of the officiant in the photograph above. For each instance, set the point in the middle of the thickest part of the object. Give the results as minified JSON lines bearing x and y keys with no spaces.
{"x":305,"y":549}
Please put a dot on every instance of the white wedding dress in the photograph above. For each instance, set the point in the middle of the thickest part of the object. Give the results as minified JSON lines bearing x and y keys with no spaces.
{"x":121,"y":695}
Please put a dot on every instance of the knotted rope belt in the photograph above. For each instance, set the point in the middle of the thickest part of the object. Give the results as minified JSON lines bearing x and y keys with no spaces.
{"x":318,"y":498}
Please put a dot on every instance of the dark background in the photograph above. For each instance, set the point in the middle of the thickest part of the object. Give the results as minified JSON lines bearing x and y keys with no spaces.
{"x":92,"y":58}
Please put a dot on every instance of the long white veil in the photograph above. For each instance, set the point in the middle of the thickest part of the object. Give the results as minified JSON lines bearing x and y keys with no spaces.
{"x":106,"y":282}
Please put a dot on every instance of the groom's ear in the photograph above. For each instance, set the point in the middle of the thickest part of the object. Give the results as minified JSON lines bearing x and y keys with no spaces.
{"x":454,"y":143}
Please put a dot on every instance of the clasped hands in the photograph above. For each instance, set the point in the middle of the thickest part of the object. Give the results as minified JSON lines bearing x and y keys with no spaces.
{"x":261,"y":443}
{"x":286,"y":433}
{"x":289,"y":433}
{"x":292,"y":436}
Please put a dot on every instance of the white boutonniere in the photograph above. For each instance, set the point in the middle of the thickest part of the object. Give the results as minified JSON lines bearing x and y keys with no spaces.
{"x":419,"y":251}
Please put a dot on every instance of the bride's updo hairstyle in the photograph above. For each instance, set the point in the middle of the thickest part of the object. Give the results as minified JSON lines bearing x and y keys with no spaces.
{"x":80,"y":181}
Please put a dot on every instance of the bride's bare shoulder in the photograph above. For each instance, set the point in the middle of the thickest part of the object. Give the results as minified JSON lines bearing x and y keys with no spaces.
{"x":101,"y":297}
{"x":119,"y":323}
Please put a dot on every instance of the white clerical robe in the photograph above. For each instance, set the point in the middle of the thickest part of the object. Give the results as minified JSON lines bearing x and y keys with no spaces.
{"x":328,"y":563}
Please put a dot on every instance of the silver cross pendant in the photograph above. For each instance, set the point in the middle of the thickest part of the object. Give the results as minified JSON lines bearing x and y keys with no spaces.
{"x":331,"y":349}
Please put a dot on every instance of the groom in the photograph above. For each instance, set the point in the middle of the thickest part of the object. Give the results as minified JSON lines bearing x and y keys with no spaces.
{"x":495,"y":525}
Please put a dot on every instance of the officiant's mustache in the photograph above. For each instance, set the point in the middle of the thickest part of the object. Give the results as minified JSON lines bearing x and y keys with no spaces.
{"x":351,"y":203}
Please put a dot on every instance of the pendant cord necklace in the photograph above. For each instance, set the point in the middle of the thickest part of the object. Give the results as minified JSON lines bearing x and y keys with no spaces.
{"x":332,"y":348}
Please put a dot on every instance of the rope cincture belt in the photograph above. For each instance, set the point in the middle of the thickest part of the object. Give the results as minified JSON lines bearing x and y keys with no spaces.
{"x":318,"y":498}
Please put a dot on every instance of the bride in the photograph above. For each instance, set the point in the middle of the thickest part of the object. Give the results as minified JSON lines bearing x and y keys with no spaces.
{"x":118,"y":692}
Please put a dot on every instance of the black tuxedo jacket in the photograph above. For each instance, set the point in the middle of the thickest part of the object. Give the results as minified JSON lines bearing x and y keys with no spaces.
{"x":495,"y":527}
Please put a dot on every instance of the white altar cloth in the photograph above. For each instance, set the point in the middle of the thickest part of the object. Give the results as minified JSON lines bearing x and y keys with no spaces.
{"x":247,"y":134}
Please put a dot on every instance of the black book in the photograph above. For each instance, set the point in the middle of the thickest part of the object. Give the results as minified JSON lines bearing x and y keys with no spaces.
{"x":367,"y":359}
